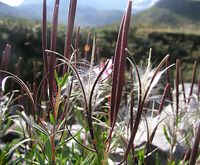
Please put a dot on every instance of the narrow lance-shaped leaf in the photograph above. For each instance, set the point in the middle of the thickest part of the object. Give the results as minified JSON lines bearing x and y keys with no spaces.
{"x":32,"y":123}
{"x":73,"y":68}
{"x":22,"y":85}
{"x":17,"y":145}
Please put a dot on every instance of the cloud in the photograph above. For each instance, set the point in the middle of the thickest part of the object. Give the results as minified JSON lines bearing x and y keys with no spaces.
{"x":153,"y":2}
{"x":143,"y":4}
{"x":12,"y":2}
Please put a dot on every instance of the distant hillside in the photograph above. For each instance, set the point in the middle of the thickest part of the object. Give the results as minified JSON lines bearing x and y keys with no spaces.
{"x":85,"y":16}
{"x":7,"y":11}
{"x":96,"y":4}
{"x":186,"y":8}
{"x":171,"y":13}
{"x":176,"y":13}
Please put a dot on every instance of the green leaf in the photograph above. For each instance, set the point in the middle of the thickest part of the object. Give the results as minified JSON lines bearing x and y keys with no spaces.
{"x":74,"y":153}
{"x":41,"y":160}
{"x":17,"y":145}
{"x":100,"y":143}
{"x":64,"y":79}
{"x":89,"y":159}
{"x":56,"y":77}
{"x":52,"y":119}
{"x":3,"y":158}
{"x":61,"y":81}
{"x":32,"y":123}
{"x":167,"y":135}
{"x":48,"y":149}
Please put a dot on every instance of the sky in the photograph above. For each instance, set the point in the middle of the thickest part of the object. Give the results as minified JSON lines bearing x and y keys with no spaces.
{"x":12,"y":2}
{"x":138,"y":3}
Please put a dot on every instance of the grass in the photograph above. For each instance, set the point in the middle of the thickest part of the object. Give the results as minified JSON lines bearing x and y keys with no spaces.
{"x":83,"y":112}
{"x":168,"y":29}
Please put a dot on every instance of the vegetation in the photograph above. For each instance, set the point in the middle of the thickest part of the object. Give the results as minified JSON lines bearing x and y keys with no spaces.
{"x":25,"y":38}
{"x":173,"y":13}
{"x":79,"y":109}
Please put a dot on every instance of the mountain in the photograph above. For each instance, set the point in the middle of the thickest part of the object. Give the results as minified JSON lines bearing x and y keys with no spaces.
{"x":170,"y":13}
{"x":89,"y":12}
{"x":185,"y":8}
{"x":85,"y":16}
{"x":7,"y":11}
{"x":144,"y":4}
{"x":96,"y":4}
{"x":93,"y":17}
{"x":99,"y":13}
{"x":103,"y":4}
